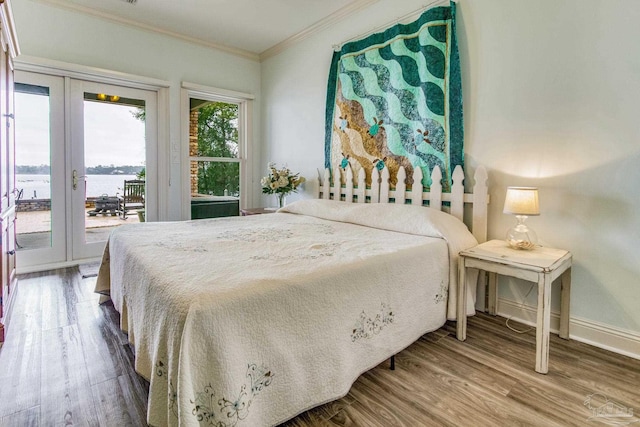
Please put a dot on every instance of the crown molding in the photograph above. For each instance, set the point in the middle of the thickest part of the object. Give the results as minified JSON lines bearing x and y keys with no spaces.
{"x":324,"y":23}
{"x":9,"y":27}
{"x":335,"y":17}
{"x":146,"y":27}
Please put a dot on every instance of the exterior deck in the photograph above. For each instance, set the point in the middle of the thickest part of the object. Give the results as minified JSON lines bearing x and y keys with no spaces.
{"x":33,"y":228}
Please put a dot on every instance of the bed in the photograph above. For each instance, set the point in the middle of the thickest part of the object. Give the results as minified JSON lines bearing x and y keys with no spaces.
{"x":253,"y":320}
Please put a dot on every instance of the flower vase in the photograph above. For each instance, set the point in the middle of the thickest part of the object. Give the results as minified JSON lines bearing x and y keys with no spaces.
{"x":280,"y":200}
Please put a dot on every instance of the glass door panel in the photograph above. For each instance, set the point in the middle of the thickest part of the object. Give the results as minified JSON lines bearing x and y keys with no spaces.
{"x":40,"y":193}
{"x":109,"y":151}
{"x":114,"y":153}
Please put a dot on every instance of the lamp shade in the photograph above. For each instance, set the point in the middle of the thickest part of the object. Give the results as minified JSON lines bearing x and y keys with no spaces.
{"x":522,"y":201}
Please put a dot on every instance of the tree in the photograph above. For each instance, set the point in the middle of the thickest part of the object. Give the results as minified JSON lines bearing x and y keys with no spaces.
{"x":218,"y":137}
{"x":140,"y":113}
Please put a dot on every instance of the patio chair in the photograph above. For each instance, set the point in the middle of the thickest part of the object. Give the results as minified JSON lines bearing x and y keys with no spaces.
{"x":132,"y":197}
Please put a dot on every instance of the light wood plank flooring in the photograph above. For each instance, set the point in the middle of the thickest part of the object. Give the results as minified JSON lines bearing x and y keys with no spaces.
{"x":66,"y":362}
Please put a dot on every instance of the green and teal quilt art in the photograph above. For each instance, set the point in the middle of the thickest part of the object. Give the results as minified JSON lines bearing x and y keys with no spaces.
{"x":395,"y":99}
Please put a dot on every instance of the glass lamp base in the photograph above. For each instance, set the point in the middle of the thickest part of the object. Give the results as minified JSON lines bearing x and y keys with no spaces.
{"x":521,"y":236}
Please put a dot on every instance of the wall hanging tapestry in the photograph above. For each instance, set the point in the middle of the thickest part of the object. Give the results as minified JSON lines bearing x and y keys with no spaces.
{"x":395,"y":99}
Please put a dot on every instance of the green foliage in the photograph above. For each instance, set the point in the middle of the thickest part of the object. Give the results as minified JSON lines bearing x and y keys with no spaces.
{"x":216,"y":177}
{"x":140,"y":114}
{"x":142,"y":174}
{"x":218,"y":137}
{"x":218,"y":130}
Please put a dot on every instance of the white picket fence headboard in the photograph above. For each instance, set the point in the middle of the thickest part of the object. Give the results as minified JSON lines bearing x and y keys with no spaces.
{"x":350,"y":191}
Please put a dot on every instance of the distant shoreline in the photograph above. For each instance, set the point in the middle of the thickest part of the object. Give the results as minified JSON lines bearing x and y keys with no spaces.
{"x":90,"y":170}
{"x":38,"y":186}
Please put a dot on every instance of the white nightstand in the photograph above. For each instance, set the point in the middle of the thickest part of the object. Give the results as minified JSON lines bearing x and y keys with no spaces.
{"x":541,"y":265}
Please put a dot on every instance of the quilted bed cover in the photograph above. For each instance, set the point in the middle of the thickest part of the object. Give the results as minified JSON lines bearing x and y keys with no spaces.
{"x":252,"y":320}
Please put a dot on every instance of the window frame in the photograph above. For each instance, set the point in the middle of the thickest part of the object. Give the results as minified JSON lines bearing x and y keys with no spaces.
{"x":245,"y":158}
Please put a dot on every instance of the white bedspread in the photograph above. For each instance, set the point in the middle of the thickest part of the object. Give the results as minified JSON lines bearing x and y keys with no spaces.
{"x":252,"y":320}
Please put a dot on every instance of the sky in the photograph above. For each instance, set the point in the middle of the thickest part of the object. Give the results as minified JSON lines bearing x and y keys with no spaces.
{"x":112,"y":134}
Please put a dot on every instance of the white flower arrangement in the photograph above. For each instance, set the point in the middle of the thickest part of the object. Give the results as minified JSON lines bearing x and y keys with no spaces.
{"x":281,"y":181}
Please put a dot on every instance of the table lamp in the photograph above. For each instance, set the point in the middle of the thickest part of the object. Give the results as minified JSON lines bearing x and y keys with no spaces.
{"x":522,"y":202}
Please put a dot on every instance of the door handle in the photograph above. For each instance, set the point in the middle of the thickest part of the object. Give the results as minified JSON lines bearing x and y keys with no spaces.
{"x":9,"y":116}
{"x":75,"y":178}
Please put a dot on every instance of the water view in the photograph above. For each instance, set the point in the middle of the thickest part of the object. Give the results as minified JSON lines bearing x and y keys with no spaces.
{"x":39,"y":186}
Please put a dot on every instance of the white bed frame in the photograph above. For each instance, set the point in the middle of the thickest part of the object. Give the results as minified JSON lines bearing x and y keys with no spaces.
{"x":351,"y":191}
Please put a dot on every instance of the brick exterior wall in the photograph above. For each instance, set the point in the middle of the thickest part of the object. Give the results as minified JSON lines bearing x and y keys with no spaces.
{"x":30,"y":205}
{"x":193,"y":149}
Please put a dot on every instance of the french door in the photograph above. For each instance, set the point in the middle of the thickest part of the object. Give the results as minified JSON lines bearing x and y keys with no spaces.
{"x":110,"y":129}
{"x":76,"y":143}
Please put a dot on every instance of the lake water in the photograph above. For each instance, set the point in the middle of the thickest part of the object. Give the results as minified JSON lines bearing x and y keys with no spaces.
{"x":39,"y":186}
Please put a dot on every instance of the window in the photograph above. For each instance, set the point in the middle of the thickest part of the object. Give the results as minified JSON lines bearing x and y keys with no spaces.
{"x":217,"y":138}
{"x":214,"y":152}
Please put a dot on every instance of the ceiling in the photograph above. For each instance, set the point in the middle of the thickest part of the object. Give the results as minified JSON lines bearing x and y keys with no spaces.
{"x":251,"y":28}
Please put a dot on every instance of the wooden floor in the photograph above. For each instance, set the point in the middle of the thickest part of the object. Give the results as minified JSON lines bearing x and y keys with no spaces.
{"x":66,"y":362}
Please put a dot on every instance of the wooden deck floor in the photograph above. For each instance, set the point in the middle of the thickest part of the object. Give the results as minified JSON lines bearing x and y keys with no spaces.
{"x":65,"y":362}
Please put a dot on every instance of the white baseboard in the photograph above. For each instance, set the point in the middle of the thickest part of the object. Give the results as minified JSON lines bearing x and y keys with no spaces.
{"x":55,"y":265}
{"x":617,"y":340}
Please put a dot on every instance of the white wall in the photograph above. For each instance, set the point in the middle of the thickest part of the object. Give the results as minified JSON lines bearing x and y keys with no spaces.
{"x":551,"y":100}
{"x":52,"y":33}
